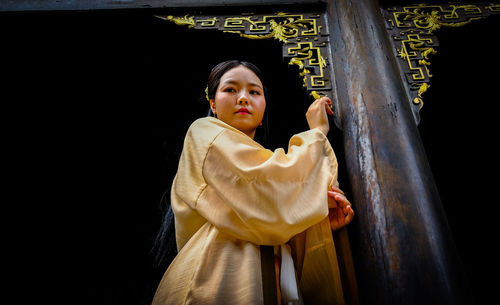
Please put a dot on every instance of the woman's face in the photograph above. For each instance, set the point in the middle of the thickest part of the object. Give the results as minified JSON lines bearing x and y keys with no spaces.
{"x":239,"y":100}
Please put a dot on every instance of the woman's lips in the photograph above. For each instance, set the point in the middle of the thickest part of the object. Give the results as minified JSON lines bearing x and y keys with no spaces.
{"x":243,"y":111}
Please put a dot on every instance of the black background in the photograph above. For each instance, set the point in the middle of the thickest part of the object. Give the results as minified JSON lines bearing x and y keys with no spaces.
{"x":459,"y":128}
{"x":96,"y":105}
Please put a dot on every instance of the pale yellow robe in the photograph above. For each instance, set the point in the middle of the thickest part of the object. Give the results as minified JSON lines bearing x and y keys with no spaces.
{"x":231,"y":195}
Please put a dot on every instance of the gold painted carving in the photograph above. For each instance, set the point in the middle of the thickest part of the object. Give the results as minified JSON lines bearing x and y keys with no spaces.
{"x":412,"y":31}
{"x":304,"y":38}
{"x":282,"y":26}
{"x":305,"y":52}
{"x":186,"y":20}
{"x":431,"y":18}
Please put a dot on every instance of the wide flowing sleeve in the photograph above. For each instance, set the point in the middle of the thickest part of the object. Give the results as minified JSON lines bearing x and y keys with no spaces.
{"x":262,"y":196}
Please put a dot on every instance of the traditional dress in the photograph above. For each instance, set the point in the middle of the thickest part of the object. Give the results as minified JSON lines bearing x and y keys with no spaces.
{"x":231,"y":195}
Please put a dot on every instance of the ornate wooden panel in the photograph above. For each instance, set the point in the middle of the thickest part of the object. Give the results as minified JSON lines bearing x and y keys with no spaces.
{"x":304,"y":37}
{"x":305,"y":40}
{"x":412,"y":31}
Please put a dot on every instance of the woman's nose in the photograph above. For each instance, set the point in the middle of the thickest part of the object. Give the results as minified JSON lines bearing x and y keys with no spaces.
{"x":243,"y":100}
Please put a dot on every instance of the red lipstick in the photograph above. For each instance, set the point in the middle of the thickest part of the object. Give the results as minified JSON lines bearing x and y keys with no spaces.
{"x":243,"y":111}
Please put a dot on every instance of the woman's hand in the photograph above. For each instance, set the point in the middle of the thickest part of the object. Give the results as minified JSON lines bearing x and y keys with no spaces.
{"x":317,"y":114}
{"x":340,"y":209}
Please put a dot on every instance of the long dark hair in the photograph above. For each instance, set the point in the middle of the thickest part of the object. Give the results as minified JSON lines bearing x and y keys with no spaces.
{"x":164,"y":246}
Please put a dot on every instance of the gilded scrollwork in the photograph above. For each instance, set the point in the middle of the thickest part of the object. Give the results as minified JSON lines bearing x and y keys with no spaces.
{"x":431,"y":18}
{"x":304,"y":38}
{"x":281,"y":26}
{"x":186,"y":20}
{"x":412,"y":29}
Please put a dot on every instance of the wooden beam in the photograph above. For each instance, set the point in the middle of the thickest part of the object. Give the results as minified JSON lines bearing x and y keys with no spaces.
{"x":58,"y":5}
{"x":403,"y":246}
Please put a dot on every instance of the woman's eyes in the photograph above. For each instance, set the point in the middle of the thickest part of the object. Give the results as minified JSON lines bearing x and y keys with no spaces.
{"x":232,"y":90}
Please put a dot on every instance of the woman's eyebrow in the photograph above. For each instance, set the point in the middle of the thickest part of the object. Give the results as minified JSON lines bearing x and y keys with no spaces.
{"x":256,"y":85}
{"x":233,"y":82}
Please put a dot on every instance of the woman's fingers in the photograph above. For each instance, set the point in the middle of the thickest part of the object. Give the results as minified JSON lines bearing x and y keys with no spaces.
{"x":341,"y":212}
{"x":336,"y":199}
{"x":336,"y":189}
{"x":328,"y":105}
{"x":349,"y":214}
{"x":331,"y":200}
{"x":317,"y":116}
{"x":339,"y":219}
{"x":340,"y":199}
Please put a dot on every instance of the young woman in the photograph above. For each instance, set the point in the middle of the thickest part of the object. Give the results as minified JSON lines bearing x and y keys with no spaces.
{"x":231,"y":195}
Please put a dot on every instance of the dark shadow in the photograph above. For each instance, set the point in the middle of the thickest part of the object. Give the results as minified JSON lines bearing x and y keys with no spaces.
{"x":458,"y":127}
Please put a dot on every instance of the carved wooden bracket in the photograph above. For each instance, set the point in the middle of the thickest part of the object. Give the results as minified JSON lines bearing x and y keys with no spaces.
{"x":304,"y":37}
{"x":411,"y":29}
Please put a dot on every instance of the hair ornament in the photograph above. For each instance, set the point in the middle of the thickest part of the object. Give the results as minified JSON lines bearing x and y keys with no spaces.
{"x":206,"y":94}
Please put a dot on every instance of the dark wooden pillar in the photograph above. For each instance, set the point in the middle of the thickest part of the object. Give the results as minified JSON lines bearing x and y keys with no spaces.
{"x":403,"y":246}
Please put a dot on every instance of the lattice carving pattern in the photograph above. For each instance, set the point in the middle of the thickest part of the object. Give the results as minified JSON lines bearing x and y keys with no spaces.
{"x":304,"y":37}
{"x":412,"y":31}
